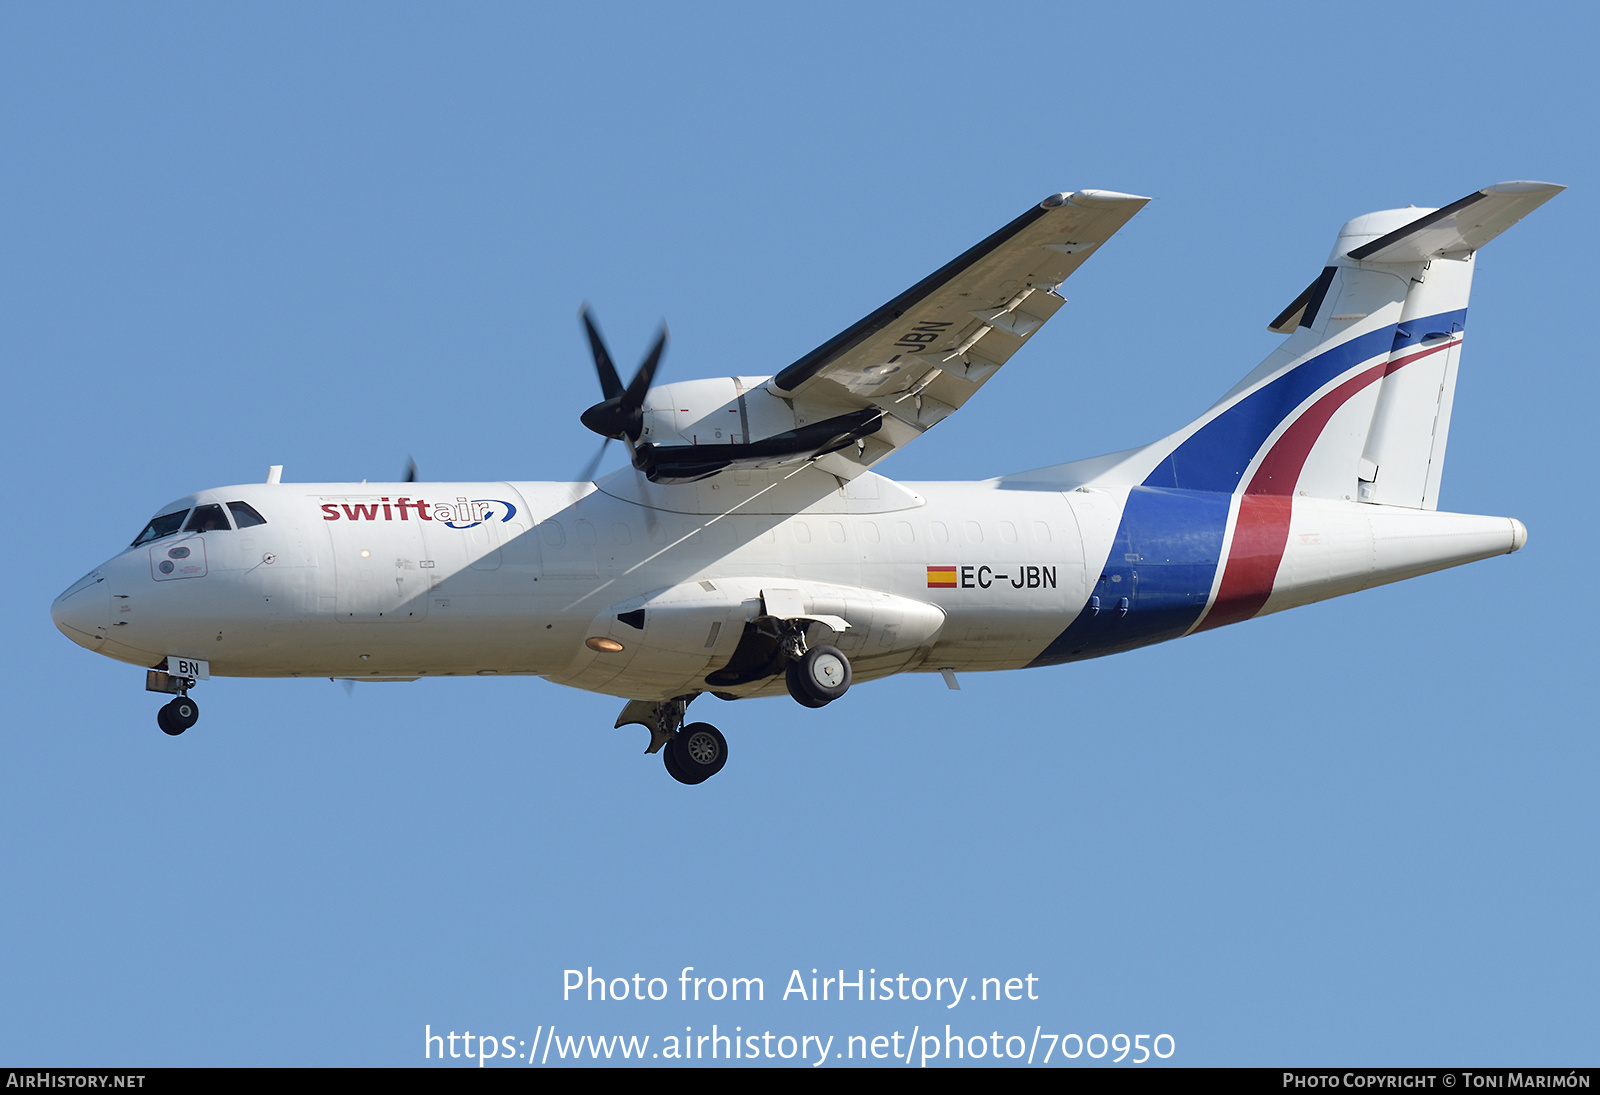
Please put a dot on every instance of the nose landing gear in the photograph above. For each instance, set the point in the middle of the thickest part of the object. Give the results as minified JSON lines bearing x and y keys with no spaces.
{"x":180,"y":714}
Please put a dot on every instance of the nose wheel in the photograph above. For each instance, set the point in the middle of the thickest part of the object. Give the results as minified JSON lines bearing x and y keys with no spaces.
{"x":176,"y":717}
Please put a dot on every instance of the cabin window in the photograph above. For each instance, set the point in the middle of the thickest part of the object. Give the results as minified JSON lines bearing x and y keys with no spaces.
{"x":245,"y":515}
{"x":163,"y":525}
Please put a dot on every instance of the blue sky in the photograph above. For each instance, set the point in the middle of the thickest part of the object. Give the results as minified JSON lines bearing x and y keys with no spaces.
{"x":335,"y":237}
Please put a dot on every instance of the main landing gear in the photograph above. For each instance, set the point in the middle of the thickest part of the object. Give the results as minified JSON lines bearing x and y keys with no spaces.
{"x":817,"y":675}
{"x":693,"y":753}
{"x":180,"y":714}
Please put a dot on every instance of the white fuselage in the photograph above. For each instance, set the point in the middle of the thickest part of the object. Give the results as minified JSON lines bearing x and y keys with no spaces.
{"x":398,"y":581}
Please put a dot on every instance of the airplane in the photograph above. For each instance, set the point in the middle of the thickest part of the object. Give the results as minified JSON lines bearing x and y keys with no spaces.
{"x":749,"y":549}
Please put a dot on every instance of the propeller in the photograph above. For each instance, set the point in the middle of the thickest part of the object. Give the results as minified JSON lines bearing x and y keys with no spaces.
{"x":620,"y":415}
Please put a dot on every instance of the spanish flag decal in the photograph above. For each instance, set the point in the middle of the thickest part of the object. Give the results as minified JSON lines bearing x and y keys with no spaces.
{"x":941,"y":577}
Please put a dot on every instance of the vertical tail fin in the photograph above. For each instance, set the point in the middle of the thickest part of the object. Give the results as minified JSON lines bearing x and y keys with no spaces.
{"x":1355,"y":404}
{"x":1363,"y":389}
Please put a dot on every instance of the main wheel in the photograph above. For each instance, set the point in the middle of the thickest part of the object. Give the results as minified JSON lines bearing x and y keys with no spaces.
{"x":697,"y":753}
{"x":799,"y":695}
{"x":819,"y":677}
{"x":669,"y":757}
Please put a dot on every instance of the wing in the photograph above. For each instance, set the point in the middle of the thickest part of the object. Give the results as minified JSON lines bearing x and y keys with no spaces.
{"x":925,"y":352}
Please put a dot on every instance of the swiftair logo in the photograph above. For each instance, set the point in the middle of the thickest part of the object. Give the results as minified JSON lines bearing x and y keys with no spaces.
{"x":462,"y":513}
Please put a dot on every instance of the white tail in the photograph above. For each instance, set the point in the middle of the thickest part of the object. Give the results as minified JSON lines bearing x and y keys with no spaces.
{"x":1407,"y":272}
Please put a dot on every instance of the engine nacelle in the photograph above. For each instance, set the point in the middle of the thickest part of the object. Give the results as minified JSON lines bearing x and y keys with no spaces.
{"x":696,"y":428}
{"x":723,"y":410}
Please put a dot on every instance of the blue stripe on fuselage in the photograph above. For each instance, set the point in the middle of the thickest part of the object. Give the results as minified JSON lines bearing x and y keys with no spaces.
{"x":1162,"y":562}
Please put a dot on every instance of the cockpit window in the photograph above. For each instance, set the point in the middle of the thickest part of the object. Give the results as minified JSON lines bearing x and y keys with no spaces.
{"x":245,"y":516}
{"x":208,"y":519}
{"x":162,"y":525}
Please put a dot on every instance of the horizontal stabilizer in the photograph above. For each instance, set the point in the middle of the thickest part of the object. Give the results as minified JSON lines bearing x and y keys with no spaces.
{"x":1305,"y":306}
{"x":1461,"y":226}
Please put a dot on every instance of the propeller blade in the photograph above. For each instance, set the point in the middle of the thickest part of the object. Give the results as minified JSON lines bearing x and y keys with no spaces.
{"x":610,"y":383}
{"x":620,"y":416}
{"x":650,"y":523}
{"x":594,"y":465}
{"x":639,"y":386}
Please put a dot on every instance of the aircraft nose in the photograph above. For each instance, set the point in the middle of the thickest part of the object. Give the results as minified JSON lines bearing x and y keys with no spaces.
{"x":83,"y":611}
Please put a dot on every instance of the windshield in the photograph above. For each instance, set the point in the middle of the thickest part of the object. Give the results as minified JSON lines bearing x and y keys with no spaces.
{"x":208,"y":519}
{"x":163,"y":525}
{"x":245,"y":515}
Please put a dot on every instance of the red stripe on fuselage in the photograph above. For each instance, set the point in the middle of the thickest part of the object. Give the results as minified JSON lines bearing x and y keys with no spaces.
{"x":1262,"y":528}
